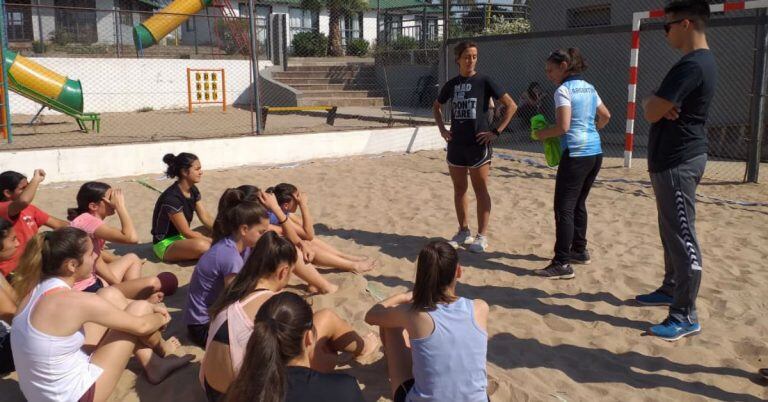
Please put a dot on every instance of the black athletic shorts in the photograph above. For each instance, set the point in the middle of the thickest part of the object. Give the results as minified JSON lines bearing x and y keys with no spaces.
{"x":469,"y":156}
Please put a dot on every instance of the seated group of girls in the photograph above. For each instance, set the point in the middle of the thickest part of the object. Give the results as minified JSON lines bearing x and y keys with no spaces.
{"x":76,"y":313}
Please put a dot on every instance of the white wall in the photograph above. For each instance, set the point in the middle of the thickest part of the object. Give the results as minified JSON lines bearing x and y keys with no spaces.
{"x":76,"y":164}
{"x":125,"y":85}
{"x":46,"y":17}
{"x":369,"y":27}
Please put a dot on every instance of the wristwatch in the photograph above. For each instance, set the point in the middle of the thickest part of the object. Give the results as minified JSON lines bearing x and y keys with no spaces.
{"x":496,"y":131}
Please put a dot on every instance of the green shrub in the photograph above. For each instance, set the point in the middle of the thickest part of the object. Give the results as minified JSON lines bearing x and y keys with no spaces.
{"x":404,"y":43}
{"x":309,"y":44}
{"x":357,"y":47}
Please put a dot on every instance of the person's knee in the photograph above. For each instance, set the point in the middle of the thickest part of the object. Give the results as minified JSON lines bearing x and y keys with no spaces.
{"x":139,"y":308}
{"x":201,"y":245}
{"x":155,"y":283}
{"x":112,"y":295}
{"x":325,"y":316}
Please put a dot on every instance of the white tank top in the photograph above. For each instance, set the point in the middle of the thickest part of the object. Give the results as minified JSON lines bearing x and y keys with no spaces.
{"x":50,"y":368}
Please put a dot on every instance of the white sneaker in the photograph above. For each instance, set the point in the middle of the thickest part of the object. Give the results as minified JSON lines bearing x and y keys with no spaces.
{"x":479,"y":245}
{"x":462,"y":237}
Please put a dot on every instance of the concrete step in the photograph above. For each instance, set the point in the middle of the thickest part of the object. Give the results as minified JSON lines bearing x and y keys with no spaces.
{"x":324,"y":74}
{"x":365,"y":83}
{"x":341,"y":101}
{"x":347,"y":67}
{"x":323,"y":87}
{"x":340,"y":94}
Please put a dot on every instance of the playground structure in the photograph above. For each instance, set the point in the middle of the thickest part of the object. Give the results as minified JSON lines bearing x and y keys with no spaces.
{"x":153,"y":30}
{"x":48,"y":88}
{"x":209,"y":87}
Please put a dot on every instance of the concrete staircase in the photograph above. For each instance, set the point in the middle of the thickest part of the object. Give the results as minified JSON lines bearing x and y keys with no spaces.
{"x":337,"y":84}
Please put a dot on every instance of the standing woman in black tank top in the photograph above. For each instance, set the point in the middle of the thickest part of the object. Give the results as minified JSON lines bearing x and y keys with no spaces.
{"x":469,"y":140}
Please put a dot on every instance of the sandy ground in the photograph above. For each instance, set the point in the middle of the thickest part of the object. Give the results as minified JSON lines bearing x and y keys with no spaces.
{"x":53,"y":131}
{"x":575,"y":340}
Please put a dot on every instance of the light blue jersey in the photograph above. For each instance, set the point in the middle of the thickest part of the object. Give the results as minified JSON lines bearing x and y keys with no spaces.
{"x":582,"y":139}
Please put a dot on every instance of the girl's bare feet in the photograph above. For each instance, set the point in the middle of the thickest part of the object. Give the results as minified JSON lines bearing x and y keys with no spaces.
{"x":364,"y":266}
{"x":370,"y":347}
{"x":156,"y":297}
{"x":167,"y":346}
{"x":331,"y":288}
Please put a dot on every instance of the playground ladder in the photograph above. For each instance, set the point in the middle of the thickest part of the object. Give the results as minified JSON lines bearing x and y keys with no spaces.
{"x":233,"y":21}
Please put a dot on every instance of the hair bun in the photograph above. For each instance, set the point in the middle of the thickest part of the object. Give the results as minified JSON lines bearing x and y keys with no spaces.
{"x":169,"y":159}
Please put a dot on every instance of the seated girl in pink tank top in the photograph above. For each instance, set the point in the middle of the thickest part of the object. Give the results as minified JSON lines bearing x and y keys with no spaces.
{"x":265,"y":273}
{"x":95,"y":202}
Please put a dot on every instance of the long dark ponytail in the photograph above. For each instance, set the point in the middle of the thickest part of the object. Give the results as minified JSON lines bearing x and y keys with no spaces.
{"x":268,"y":254}
{"x":92,"y":191}
{"x":572,"y":57}
{"x":235,"y":209}
{"x":435,"y":271}
{"x":278,"y":335}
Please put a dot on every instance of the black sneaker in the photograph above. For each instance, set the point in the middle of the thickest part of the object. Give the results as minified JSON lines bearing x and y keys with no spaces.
{"x":556,"y":271}
{"x":580,"y":257}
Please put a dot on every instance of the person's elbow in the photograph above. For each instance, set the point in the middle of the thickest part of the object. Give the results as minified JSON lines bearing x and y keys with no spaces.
{"x":563,"y":127}
{"x":650,"y":116}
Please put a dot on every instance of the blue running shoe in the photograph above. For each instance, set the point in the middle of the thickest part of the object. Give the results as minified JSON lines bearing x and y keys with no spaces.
{"x":670,"y":330}
{"x":655,"y":298}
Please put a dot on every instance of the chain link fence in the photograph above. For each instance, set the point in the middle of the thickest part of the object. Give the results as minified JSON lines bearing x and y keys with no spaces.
{"x":138,"y":71}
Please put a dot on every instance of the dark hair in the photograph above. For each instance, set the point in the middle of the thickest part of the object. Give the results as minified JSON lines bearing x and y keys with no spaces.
{"x":577,"y":64}
{"x":236,"y":209}
{"x":435,"y":271}
{"x":9,"y":180}
{"x":283,"y":192}
{"x":267,"y":255}
{"x":534,"y":90}
{"x":695,"y":10}
{"x":250,"y":193}
{"x":5,"y":230}
{"x":178,"y":163}
{"x":44,"y":254}
{"x":461,"y":47}
{"x":92,"y":191}
{"x":278,"y":337}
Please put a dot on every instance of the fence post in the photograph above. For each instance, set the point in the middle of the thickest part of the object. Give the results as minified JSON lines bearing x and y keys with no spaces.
{"x":6,"y":101}
{"x":40,"y":28}
{"x":255,"y":64}
{"x":758,"y":103}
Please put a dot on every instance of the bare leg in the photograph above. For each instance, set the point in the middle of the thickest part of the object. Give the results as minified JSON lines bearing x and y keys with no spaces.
{"x":185,"y":250}
{"x":336,"y":335}
{"x":479,"y":178}
{"x":308,"y":273}
{"x":147,"y":288}
{"x":319,"y":244}
{"x":327,"y":259}
{"x":398,"y":354}
{"x":117,"y":347}
{"x":460,"y":200}
{"x":126,"y":267}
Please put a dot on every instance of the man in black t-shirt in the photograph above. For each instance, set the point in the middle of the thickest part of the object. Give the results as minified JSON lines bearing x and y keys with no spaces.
{"x":677,"y":156}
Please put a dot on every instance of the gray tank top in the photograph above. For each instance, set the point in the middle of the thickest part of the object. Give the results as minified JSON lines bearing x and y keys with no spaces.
{"x":450,"y":364}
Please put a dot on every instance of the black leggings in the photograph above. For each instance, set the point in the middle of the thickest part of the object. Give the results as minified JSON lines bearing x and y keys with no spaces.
{"x":575,"y":177}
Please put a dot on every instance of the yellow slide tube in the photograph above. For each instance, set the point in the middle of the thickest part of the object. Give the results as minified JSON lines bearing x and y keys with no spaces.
{"x":158,"y":26}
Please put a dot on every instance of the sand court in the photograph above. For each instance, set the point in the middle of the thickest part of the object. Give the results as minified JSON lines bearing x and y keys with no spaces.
{"x":548,"y":340}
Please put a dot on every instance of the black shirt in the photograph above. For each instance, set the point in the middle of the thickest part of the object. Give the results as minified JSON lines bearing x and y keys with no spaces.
{"x":690,"y":85}
{"x":307,"y":385}
{"x":172,"y":201}
{"x":469,"y":106}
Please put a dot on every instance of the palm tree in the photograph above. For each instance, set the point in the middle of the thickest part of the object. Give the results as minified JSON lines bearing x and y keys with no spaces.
{"x":337,"y":9}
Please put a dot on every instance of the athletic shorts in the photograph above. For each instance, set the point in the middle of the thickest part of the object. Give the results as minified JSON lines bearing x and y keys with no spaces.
{"x":160,"y":247}
{"x":6,"y":358}
{"x":469,"y":156}
{"x":95,"y":286}
{"x":402,"y":391}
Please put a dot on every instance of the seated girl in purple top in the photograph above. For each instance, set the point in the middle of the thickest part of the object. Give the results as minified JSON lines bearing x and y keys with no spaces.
{"x":291,"y":199}
{"x":240,"y":222}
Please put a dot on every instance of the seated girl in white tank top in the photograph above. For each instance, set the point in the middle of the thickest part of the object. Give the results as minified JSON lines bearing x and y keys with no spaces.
{"x":447,"y":334}
{"x":49,"y":332}
{"x":265,"y":273}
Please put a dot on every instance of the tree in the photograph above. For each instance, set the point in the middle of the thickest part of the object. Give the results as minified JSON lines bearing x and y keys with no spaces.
{"x":337,"y":9}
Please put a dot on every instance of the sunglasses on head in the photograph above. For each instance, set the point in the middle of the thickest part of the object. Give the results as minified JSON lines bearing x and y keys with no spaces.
{"x":668,"y":25}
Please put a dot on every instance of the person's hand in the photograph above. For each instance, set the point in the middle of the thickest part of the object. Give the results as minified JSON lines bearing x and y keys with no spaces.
{"x":302,"y":198}
{"x":672,"y":114}
{"x":38,"y":175}
{"x":307,"y":251}
{"x":486,"y":137}
{"x":406,"y":297}
{"x":269,"y":200}
{"x":447,"y":135}
{"x":116,"y":199}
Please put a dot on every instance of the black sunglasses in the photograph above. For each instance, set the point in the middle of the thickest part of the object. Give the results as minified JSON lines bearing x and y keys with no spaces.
{"x":668,"y":25}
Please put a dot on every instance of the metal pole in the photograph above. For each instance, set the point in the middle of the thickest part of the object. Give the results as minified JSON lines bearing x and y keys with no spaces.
{"x":254,"y":64}
{"x":118,"y":32}
{"x":6,"y":106}
{"x":758,"y":104}
{"x":40,"y":27}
